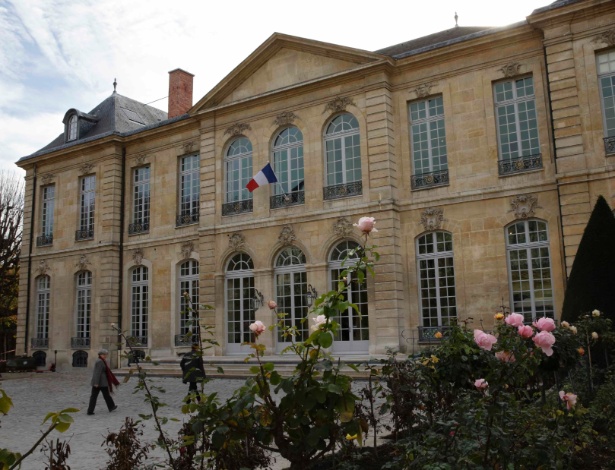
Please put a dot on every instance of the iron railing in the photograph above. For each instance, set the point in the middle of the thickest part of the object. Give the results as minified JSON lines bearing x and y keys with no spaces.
{"x":237,"y":207}
{"x":138,"y":227}
{"x":186,"y":218}
{"x":609,"y":145}
{"x":342,"y":190}
{"x":44,"y":240}
{"x":520,"y":164}
{"x":430,"y":180}
{"x":78,"y":342}
{"x":84,"y":234}
{"x":285,"y":200}
{"x":39,"y":343}
{"x":137,"y":341}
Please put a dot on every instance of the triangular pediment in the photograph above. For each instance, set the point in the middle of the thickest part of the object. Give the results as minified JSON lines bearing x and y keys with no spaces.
{"x":282,"y":62}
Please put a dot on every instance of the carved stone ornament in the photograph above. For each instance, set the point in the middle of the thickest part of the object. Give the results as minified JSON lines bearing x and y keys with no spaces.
{"x":86,"y":168}
{"x":432,"y":218}
{"x":338,"y":104}
{"x":237,"y":129}
{"x":47,"y":178}
{"x":608,"y":38}
{"x":343,"y":227}
{"x":83,"y":263}
{"x":285,"y":118}
{"x":287,"y":235}
{"x":236,"y":242}
{"x":43,"y":267}
{"x":187,"y":248}
{"x":524,"y":205}
{"x":511,"y":69}
{"x":137,"y":256}
{"x":189,"y":147}
{"x":424,"y":90}
{"x":140,"y":159}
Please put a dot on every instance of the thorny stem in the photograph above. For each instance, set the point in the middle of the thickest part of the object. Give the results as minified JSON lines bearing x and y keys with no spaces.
{"x":150,"y":397}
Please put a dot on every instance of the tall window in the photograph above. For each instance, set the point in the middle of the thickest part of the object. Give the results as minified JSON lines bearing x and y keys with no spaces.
{"x":238,"y":172}
{"x":240,"y":308}
{"x":72,"y":128}
{"x":288,"y":167}
{"x":354,"y":327}
{"x":140,"y":200}
{"x":47,"y":209}
{"x":343,"y":157}
{"x":436,"y":280}
{"x":606,"y":76}
{"x":189,"y":298}
{"x":291,"y":293}
{"x":515,"y":110}
{"x":86,"y":210}
{"x":139,"y":304}
{"x":430,"y":166}
{"x":529,"y":264}
{"x":189,"y":190}
{"x":43,"y":293}
{"x":84,"y":307}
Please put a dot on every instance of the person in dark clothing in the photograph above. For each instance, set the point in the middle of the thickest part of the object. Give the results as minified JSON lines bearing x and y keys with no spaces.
{"x":103,"y":381}
{"x":193,"y":370}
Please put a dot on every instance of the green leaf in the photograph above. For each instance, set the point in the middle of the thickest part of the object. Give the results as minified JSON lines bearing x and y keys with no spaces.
{"x":62,"y":427}
{"x":325,"y":339}
{"x":5,"y":402}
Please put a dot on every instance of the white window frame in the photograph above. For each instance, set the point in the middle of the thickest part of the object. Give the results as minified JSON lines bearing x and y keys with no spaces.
{"x":141,"y":196}
{"x":43,"y":298}
{"x":139,"y":302}
{"x":239,"y":292}
{"x":72,"y":128}
{"x":532,"y":246}
{"x":605,"y":65}
{"x":238,"y":170}
{"x":189,"y":185}
{"x":87,"y":205}
{"x":288,"y":161}
{"x":434,"y":251}
{"x":188,"y":307}
{"x":427,"y":117}
{"x":343,"y":133}
{"x":83,"y":304}
{"x":289,"y":264}
{"x":47,"y":210}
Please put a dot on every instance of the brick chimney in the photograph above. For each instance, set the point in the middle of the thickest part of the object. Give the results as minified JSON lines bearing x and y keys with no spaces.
{"x":180,"y":92}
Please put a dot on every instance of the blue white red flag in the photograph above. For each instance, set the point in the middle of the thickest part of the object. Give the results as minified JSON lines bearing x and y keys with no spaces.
{"x":263,"y":177}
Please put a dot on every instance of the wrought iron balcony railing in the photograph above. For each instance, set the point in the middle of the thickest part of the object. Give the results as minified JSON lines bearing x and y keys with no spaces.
{"x":186,"y":218}
{"x":185,"y":340}
{"x":138,"y":227}
{"x":84,"y":234}
{"x":78,"y":342}
{"x":39,"y":343}
{"x":342,"y":190}
{"x":285,"y":200}
{"x":137,"y":341}
{"x":44,"y":240}
{"x":520,"y":164}
{"x":430,"y":180}
{"x":427,"y":334}
{"x":237,"y":207}
{"x":609,"y":145}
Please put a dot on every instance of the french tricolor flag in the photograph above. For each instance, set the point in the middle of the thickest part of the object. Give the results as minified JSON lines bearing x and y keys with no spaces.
{"x":263,"y":177}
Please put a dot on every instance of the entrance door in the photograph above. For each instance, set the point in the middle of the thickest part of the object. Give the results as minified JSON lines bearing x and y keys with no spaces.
{"x":291,"y":296}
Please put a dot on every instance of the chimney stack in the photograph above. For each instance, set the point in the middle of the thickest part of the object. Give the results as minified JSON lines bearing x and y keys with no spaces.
{"x":180,"y":92}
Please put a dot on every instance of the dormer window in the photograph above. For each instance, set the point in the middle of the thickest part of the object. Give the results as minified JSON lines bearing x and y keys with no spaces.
{"x":71,"y":128}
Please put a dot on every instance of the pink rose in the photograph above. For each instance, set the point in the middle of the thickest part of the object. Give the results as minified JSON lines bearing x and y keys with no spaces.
{"x":366,"y":224}
{"x":272,"y":304}
{"x":569,"y":398}
{"x":525,"y":331}
{"x":545,"y":324}
{"x":257,"y":327}
{"x":481,"y":384}
{"x":514,"y":319}
{"x":505,"y":356}
{"x":484,"y":340}
{"x":545,"y":341}
{"x":318,"y":322}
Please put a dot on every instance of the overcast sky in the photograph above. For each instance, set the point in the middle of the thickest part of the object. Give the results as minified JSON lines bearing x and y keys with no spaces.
{"x":62,"y":54}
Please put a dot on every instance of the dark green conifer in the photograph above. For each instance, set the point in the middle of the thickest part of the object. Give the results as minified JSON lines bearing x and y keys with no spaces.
{"x":592,"y":279}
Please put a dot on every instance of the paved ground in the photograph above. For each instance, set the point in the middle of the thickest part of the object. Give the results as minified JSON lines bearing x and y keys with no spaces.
{"x":34,"y":395}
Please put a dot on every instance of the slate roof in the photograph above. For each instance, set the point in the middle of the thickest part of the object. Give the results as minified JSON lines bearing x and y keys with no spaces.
{"x":117,"y":114}
{"x":556,"y":4}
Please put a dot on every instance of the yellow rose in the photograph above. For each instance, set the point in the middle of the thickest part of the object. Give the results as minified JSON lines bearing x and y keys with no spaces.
{"x":438,"y":335}
{"x":499,"y":316}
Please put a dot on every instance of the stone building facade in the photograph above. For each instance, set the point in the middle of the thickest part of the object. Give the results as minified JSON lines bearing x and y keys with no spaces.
{"x":480,"y":152}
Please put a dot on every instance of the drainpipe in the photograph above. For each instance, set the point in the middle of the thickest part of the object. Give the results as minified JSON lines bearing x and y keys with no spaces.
{"x":29,"y":276}
{"x":121,"y":256}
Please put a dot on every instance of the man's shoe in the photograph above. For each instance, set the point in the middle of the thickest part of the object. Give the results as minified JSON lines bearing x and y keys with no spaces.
{"x":112,"y":409}
{"x":90,"y":413}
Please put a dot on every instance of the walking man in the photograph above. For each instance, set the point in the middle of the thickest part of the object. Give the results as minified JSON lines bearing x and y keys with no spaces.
{"x":103,"y":381}
{"x":193,"y":369}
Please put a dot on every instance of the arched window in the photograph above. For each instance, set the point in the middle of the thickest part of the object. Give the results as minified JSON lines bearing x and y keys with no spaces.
{"x":288,"y":167}
{"x":529,"y":267}
{"x":343,"y":157}
{"x":43,"y":297}
{"x":188,"y":293}
{"x":436,"y":272}
{"x":71,"y":130}
{"x":80,"y":359}
{"x":353,"y":334}
{"x":83,"y":305}
{"x":40,"y":358}
{"x":240,"y":308}
{"x":238,"y":166}
{"x":139,"y":305}
{"x":291,"y":293}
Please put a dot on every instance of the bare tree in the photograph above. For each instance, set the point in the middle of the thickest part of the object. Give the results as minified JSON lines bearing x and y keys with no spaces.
{"x":11,"y":230}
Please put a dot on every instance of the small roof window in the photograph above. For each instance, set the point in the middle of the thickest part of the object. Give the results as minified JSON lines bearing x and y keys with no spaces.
{"x":71,"y":128}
